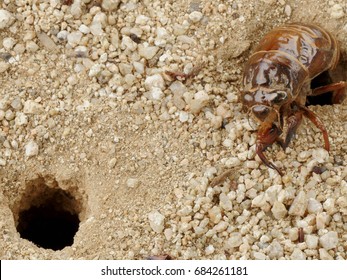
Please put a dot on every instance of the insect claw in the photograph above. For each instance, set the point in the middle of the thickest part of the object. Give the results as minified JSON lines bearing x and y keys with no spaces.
{"x":259,"y":150}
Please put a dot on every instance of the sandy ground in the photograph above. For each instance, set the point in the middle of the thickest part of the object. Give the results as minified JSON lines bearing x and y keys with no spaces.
{"x":90,"y":111}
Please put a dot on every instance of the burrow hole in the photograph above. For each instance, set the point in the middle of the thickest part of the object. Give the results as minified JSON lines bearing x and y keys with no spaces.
{"x":48,"y":215}
{"x":326,"y":78}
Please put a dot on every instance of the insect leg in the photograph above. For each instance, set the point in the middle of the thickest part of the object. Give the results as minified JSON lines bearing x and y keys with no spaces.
{"x":268,"y":133}
{"x":293,"y":124}
{"x":339,"y":90}
{"x":259,"y":150}
{"x":318,"y":123}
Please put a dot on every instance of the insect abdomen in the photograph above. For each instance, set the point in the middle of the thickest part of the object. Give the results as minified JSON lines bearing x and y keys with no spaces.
{"x":313,"y":47}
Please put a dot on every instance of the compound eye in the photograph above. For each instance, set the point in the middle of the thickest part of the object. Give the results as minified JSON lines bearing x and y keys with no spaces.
{"x":260,"y":112}
{"x":279,"y":97}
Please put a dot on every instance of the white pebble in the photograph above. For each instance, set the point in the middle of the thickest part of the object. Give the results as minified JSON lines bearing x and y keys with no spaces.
{"x":32,"y":107}
{"x":225,"y":202}
{"x":31,"y":149}
{"x":6,"y":19}
{"x":21,"y":119}
{"x":46,"y":41}
{"x":141,"y":20}
{"x":153,"y":81}
{"x":209,"y":250}
{"x":232,"y":162}
{"x":76,"y":9}
{"x":62,"y":35}
{"x":278,"y":210}
{"x":95,"y":70}
{"x":322,"y":219}
{"x":127,"y":43}
{"x":298,"y":255}
{"x":81,"y":51}
{"x":8,"y":43}
{"x":275,"y":250}
{"x":299,"y":205}
{"x":183,"y":116}
{"x":110,"y":5}
{"x":329,"y":240}
{"x":215,"y":214}
{"x":311,"y":241}
{"x":314,"y":206}
{"x":329,"y":206}
{"x":31,"y":46}
{"x":74,"y":38}
{"x":259,"y":256}
{"x":112,"y":162}
{"x":96,"y":28}
{"x":200,"y":100}
{"x":324,"y":255}
{"x":234,"y":241}
{"x":178,"y":87}
{"x":209,"y":173}
{"x":337,"y":11}
{"x":156,"y":93}
{"x":221,"y":226}
{"x":84,"y":29}
{"x":133,"y":182}
{"x":168,"y":234}
{"x":156,"y":221}
{"x":320,"y":155}
{"x":195,"y":16}
{"x":147,"y":51}
{"x":259,"y":201}
{"x":288,"y":10}
{"x":4,"y":66}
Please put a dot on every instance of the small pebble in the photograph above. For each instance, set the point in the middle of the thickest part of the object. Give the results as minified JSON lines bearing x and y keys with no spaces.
{"x":311,"y":241}
{"x":154,"y":81}
{"x":110,"y":5}
{"x":314,"y":206}
{"x":4,"y":66}
{"x":329,"y":240}
{"x":278,"y":210}
{"x":46,"y":41}
{"x":147,"y":51}
{"x":6,"y":19}
{"x":195,"y":16}
{"x":288,"y":10}
{"x":234,"y":241}
{"x":259,"y":256}
{"x":156,"y":221}
{"x":324,"y":254}
{"x":112,"y":163}
{"x":299,"y":205}
{"x":209,"y":250}
{"x":298,"y":255}
{"x":336,"y":11}
{"x":133,"y":182}
{"x":31,"y":149}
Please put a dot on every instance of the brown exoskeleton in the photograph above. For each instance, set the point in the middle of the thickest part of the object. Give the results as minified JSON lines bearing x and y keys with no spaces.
{"x":277,"y":80}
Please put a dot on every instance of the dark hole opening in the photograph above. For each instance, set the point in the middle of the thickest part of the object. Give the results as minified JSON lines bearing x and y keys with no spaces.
{"x":51,"y":220}
{"x":322,"y":99}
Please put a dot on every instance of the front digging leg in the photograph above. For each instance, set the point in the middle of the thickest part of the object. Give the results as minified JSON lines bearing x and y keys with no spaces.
{"x":267,"y":135}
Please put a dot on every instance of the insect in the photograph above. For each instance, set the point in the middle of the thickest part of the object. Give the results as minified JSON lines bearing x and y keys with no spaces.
{"x":277,"y":81}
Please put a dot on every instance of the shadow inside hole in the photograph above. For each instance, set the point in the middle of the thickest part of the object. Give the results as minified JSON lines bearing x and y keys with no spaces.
{"x":322,"y":79}
{"x":328,"y":77}
{"x":51,"y":221}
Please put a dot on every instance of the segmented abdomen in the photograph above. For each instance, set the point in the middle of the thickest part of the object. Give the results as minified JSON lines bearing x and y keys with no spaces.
{"x":288,"y":57}
{"x":311,"y":45}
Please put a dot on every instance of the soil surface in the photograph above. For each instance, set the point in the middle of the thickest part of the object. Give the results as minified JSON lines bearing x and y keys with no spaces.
{"x":90,"y":124}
